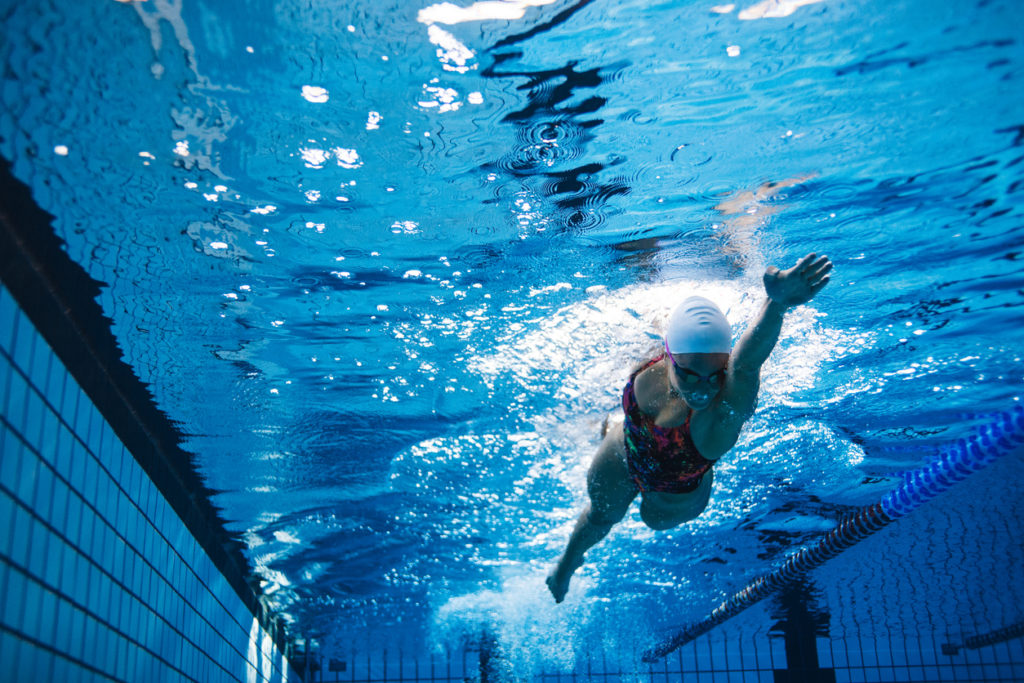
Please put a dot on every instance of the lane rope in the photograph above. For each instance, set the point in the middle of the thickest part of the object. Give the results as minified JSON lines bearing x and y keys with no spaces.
{"x":954,"y":464}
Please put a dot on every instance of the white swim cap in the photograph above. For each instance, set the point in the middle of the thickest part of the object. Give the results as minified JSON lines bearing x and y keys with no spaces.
{"x":698,"y":326}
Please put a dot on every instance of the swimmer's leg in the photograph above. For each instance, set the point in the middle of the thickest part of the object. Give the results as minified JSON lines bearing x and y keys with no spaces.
{"x":611,"y":491}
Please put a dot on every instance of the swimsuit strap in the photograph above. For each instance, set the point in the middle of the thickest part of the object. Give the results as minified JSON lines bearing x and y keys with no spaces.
{"x":628,"y":395}
{"x":645,"y":366}
{"x":629,"y":404}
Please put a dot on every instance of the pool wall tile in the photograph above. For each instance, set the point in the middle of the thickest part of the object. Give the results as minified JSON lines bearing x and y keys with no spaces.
{"x":102,"y":580}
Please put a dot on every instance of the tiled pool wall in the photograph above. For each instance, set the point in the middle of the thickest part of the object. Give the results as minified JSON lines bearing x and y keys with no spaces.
{"x":731,"y":655}
{"x":919,"y":658}
{"x":100,"y":578}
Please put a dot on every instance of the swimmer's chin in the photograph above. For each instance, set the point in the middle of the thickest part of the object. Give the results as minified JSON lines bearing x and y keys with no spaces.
{"x":696,"y":405}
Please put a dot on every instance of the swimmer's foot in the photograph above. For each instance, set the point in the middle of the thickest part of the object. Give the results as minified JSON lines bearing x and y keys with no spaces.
{"x":558,"y":581}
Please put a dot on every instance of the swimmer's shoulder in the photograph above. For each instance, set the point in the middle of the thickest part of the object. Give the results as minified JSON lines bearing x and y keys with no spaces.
{"x":650,"y":387}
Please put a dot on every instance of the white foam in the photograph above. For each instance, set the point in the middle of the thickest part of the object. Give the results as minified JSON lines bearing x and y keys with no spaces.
{"x":531,"y":633}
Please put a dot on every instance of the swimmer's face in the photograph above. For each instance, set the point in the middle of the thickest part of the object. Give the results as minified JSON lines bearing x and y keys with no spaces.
{"x":697,"y":377}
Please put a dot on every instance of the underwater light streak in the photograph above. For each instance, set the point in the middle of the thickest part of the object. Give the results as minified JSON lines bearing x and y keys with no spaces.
{"x":453,"y":54}
{"x":774,"y":9}
{"x":252,"y":671}
{"x":315,"y":94}
{"x":447,"y":13}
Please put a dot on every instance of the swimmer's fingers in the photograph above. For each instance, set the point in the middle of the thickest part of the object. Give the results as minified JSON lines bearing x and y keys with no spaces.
{"x":818,"y":286}
{"x":804,"y":263}
{"x":819,"y":269}
{"x":799,"y":284}
{"x":811,"y":262}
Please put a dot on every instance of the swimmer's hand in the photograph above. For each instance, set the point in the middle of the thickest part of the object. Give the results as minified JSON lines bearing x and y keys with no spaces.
{"x":799,"y":284}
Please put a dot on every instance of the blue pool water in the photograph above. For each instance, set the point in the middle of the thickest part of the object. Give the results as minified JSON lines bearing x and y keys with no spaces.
{"x":387,"y":265}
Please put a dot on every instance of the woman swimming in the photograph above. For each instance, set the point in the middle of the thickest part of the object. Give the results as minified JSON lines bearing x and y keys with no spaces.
{"x":683,"y":411}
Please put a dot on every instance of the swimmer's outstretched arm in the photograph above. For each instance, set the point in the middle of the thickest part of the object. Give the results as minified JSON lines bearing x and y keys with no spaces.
{"x":785,"y":289}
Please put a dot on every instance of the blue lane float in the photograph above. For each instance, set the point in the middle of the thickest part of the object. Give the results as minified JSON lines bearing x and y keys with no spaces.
{"x":1001,"y":635}
{"x":1002,"y":437}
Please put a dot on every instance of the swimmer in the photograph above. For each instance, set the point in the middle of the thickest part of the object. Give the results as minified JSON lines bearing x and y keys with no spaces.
{"x":684,"y":409}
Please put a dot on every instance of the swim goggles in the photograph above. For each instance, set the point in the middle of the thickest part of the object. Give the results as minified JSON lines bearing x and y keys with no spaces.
{"x":689,"y":378}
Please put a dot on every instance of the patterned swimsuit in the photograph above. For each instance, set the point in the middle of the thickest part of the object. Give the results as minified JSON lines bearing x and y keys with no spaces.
{"x":662,"y":459}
